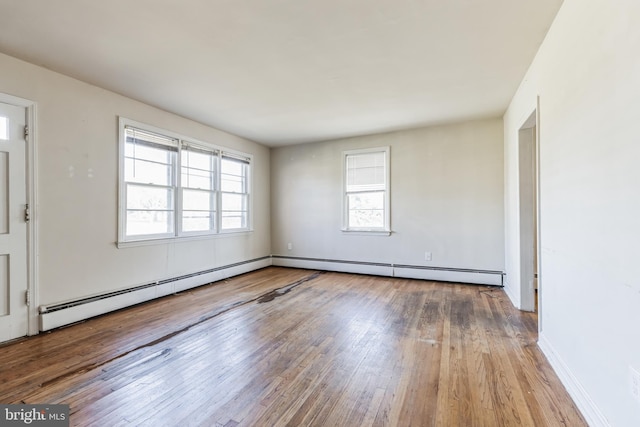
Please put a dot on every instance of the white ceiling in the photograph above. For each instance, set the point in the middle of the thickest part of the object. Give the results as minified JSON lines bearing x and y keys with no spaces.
{"x":289,"y":71}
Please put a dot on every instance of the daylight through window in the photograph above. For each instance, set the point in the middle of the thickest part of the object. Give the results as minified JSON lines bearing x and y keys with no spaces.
{"x":366,"y":193}
{"x":175,"y":188}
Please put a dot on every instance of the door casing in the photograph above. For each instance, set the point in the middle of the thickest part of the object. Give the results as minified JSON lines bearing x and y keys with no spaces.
{"x":32,"y":200}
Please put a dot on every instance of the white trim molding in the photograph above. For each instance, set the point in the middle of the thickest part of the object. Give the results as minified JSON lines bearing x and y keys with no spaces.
{"x":32,"y":200}
{"x":583,"y":401}
{"x":385,"y":189}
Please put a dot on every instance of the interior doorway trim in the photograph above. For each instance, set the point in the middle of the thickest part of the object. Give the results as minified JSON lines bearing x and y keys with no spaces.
{"x":32,"y":200}
{"x":527,"y":210}
{"x":538,"y":215}
{"x":529,"y":259}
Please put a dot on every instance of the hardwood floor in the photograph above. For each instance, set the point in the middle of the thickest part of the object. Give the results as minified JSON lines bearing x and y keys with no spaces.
{"x":293,"y":347}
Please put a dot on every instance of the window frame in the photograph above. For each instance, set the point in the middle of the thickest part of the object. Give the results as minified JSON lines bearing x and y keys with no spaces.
{"x":246,"y":162}
{"x":385,"y":230}
{"x":189,"y":145}
{"x":182,"y":142}
{"x":171,"y":186}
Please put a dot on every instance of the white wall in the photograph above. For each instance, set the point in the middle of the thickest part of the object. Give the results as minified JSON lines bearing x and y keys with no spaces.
{"x":587,"y":74}
{"x":77,"y":127}
{"x":446,"y":198}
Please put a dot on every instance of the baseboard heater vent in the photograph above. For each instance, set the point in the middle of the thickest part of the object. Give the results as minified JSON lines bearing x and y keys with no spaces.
{"x":456,"y":270}
{"x":52,"y":308}
{"x":446,"y":274}
{"x":55,"y":315}
{"x":340,"y":261}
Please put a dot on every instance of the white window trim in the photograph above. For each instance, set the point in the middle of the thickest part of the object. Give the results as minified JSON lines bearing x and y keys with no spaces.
{"x":177,"y":235}
{"x":180,"y":190}
{"x":240,"y":156}
{"x":379,"y":231}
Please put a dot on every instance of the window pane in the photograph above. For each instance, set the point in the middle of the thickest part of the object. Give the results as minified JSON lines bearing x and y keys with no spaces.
{"x":366,"y":160}
{"x":233,"y":176}
{"x":366,"y":176}
{"x":233,"y":167}
{"x":152,"y":198}
{"x":198,"y":169}
{"x":197,"y":221}
{"x":194,"y":200}
{"x":234,"y":202}
{"x":366,"y":210}
{"x":195,"y":178}
{"x":197,"y":159}
{"x":151,"y":153}
{"x":146,"y":172}
{"x":149,"y":222}
{"x":232,"y":184}
{"x":232,"y":220}
{"x":234,"y":211}
{"x":366,"y":171}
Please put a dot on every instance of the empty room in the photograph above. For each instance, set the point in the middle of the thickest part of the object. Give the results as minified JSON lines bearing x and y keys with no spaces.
{"x":321,"y":213}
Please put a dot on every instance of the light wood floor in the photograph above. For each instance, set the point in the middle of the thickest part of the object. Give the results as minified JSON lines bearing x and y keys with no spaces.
{"x":298,"y":348}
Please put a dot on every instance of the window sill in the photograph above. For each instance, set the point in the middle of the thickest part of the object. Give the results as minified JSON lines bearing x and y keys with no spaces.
{"x":367,"y":232}
{"x":181,"y":239}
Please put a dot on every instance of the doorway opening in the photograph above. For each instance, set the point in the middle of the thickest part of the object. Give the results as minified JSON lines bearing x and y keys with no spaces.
{"x":528,"y":142}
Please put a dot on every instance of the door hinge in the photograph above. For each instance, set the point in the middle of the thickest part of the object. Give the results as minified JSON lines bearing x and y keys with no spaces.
{"x":27,"y":298}
{"x":26,"y":132}
{"x":27,"y":213}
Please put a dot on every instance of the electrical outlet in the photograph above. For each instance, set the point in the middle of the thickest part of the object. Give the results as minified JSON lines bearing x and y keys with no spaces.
{"x":289,"y":246}
{"x":634,"y":383}
{"x":427,"y":256}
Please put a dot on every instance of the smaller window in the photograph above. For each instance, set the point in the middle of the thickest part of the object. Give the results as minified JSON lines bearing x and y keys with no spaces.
{"x":234,"y":189}
{"x":366,"y":190}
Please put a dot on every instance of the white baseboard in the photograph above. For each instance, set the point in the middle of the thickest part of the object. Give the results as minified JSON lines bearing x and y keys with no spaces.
{"x":515,"y":299}
{"x":474,"y":277}
{"x":583,"y":401}
{"x":409,"y":272}
{"x":76,"y":313}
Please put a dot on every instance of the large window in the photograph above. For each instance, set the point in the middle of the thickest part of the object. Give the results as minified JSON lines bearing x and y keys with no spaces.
{"x":366,"y":190}
{"x":172,"y":187}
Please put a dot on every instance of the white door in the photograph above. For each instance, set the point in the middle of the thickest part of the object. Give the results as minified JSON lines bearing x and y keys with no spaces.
{"x":13,"y":227}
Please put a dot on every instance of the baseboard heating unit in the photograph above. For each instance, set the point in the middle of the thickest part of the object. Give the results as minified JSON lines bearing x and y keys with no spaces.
{"x":444,"y":274}
{"x":56,"y":315}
